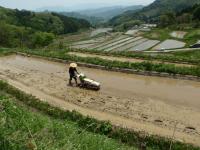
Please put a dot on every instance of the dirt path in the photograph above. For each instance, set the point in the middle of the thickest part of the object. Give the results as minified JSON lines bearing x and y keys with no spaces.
{"x":123,"y":59}
{"x":149,"y":104}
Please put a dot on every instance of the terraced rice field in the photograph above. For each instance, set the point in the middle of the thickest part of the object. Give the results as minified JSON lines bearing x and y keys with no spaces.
{"x":115,"y":43}
{"x":88,"y":43}
{"x":178,"y":34}
{"x":100,"y":30}
{"x":131,"y":41}
{"x":123,"y":44}
{"x":131,"y":32}
{"x":83,"y":46}
{"x":145,"y":45}
{"x":170,"y":44}
{"x":129,"y":46}
{"x":109,"y":41}
{"x":118,"y":43}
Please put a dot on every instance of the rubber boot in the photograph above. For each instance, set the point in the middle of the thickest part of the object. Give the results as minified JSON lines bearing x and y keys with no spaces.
{"x":76,"y":82}
{"x":70,"y":83}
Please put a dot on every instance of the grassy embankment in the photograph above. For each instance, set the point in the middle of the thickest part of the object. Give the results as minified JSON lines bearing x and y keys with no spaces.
{"x":28,"y":123}
{"x":5,"y":51}
{"x":143,"y":66}
{"x":22,"y":129}
{"x":189,"y":57}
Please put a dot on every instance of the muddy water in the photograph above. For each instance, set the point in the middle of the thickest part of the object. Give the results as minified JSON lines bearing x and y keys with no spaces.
{"x":178,"y":92}
{"x":169,"y":90}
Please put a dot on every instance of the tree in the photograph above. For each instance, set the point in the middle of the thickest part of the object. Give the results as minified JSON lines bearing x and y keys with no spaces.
{"x":196,"y":13}
{"x":167,"y":19}
{"x":41,"y":39}
{"x":185,"y":18}
{"x":164,"y":21}
{"x":5,"y":35}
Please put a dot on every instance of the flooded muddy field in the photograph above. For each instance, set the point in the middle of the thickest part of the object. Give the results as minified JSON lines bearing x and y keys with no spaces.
{"x":151,"y":104}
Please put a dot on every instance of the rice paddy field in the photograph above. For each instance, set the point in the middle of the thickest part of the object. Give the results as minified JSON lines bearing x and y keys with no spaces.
{"x":135,"y":40}
{"x":128,"y":103}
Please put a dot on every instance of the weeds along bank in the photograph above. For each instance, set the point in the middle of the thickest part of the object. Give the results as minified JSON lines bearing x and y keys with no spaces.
{"x":143,"y":66}
{"x":189,"y":57}
{"x":60,"y":129}
{"x":5,"y":51}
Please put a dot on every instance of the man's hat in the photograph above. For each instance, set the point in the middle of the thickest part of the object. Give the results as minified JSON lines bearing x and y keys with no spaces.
{"x":73,"y":65}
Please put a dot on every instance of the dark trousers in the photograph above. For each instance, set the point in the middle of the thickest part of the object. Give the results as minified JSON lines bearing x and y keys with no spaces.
{"x":72,"y":77}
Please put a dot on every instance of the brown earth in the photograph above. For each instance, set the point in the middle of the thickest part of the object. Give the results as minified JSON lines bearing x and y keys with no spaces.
{"x":150,"y":104}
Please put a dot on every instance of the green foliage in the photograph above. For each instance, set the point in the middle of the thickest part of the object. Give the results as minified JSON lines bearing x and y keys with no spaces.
{"x":152,"y":12}
{"x":24,"y":125}
{"x":15,"y":36}
{"x":158,"y":34}
{"x":192,"y":37}
{"x":188,"y":17}
{"x":196,"y":13}
{"x":42,"y":39}
{"x":17,"y":28}
{"x":93,"y":20}
{"x":45,"y":21}
{"x":128,"y":25}
{"x":167,"y":19}
{"x":72,"y":24}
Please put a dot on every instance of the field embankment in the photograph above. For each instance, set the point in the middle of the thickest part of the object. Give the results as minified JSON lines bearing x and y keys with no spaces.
{"x":123,"y":59}
{"x":31,"y":128}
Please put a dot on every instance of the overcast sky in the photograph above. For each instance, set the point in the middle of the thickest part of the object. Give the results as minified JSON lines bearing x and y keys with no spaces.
{"x":34,"y":4}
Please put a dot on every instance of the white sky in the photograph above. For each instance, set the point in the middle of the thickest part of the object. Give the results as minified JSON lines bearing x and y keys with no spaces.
{"x":34,"y":4}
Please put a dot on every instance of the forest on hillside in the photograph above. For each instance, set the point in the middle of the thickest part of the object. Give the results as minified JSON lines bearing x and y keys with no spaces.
{"x":30,"y":29}
{"x":162,"y":12}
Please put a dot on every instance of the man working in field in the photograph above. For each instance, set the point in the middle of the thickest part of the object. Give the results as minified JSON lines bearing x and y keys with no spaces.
{"x":72,"y":73}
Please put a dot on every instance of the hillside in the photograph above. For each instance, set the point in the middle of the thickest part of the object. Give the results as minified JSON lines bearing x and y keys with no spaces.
{"x":100,"y":15}
{"x":30,"y":29}
{"x":45,"y":21}
{"x":109,"y":12}
{"x":152,"y":12}
{"x":93,"y":20}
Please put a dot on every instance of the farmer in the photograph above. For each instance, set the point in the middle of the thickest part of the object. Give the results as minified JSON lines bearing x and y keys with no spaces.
{"x":72,"y":73}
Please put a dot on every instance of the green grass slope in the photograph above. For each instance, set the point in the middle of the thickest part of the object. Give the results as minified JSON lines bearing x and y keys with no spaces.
{"x":22,"y":129}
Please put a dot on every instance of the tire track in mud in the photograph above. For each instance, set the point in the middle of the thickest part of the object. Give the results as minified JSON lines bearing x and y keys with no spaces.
{"x":151,"y":115}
